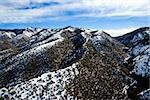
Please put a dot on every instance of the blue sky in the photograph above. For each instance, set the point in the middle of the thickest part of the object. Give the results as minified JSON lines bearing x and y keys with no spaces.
{"x":110,"y":15}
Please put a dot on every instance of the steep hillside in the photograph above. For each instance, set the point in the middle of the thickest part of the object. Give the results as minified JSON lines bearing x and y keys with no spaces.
{"x":138,"y":42}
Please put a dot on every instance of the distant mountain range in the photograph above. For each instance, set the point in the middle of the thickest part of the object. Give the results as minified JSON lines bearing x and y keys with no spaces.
{"x":74,"y":63}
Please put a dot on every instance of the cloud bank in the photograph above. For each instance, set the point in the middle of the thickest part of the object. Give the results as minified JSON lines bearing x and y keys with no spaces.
{"x":25,"y":11}
{"x":119,"y":32}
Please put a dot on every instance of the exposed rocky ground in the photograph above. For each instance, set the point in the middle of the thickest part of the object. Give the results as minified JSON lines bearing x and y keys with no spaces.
{"x":74,"y":63}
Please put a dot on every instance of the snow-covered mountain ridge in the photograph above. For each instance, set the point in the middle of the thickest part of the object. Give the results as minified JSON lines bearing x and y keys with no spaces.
{"x":94,"y":64}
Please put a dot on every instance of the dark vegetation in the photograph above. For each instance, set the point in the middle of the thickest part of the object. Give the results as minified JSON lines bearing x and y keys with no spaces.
{"x":98,"y":78}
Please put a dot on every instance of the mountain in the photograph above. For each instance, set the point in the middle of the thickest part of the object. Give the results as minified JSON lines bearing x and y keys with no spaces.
{"x":74,"y":63}
{"x":138,"y":43}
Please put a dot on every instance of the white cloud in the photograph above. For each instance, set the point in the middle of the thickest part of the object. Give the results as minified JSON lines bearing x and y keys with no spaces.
{"x":91,"y":8}
{"x":109,"y":8}
{"x":119,"y":32}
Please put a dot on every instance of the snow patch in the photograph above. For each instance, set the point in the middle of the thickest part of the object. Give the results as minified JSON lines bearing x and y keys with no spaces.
{"x":145,"y":95}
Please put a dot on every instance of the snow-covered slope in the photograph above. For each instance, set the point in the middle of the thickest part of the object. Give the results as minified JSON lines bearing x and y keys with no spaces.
{"x":50,"y":85}
{"x":138,"y":42}
{"x":142,"y":62}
